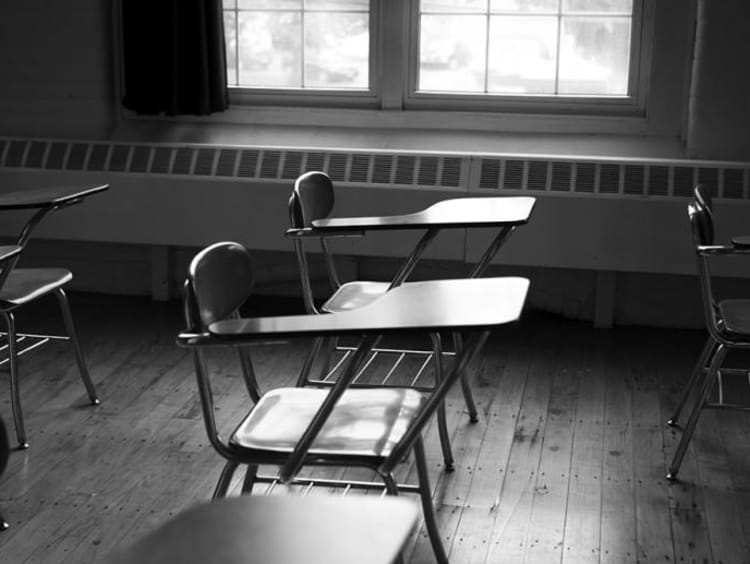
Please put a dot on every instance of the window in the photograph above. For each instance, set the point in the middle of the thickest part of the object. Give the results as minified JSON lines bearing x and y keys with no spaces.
{"x":519,"y":55}
{"x":296,"y":44}
{"x":546,"y":47}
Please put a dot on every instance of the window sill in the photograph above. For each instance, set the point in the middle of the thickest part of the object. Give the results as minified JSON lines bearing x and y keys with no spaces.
{"x":421,"y":131}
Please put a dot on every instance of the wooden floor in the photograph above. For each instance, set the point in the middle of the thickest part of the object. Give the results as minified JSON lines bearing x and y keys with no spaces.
{"x":567,"y":463}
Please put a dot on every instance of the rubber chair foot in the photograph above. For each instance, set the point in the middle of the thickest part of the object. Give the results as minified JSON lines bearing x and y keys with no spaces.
{"x":23,"y":446}
{"x":95,"y":401}
{"x":672,"y":476}
{"x":4,"y":525}
{"x":672,"y":422}
{"x":449,"y":467}
{"x":474,"y":419}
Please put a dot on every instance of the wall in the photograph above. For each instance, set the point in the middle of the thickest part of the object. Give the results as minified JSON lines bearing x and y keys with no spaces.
{"x":56,"y":60}
{"x":58,"y":77}
{"x":55,"y":64}
{"x":59,"y":82}
{"x":719,"y":110}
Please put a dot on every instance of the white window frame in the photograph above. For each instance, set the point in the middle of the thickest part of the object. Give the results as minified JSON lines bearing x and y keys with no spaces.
{"x":394,"y":61}
{"x":335,"y":98}
{"x":633,"y":103}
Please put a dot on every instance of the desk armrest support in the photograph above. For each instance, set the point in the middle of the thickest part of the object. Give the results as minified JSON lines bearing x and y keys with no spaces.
{"x":189,"y":339}
{"x":310,"y":232}
{"x":297,"y":458}
{"x":722,"y":250}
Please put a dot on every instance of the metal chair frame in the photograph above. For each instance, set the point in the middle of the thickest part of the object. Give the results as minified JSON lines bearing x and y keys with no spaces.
{"x":4,"y":453}
{"x":303,"y":210}
{"x":6,"y":253}
{"x":15,"y":344}
{"x":708,"y":372}
{"x":203,"y":305}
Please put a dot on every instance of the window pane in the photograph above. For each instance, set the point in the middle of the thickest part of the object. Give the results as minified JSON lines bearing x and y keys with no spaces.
{"x":454,"y":6}
{"x":522,"y":55}
{"x":452,"y":53}
{"x":270,"y":4}
{"x":270,"y":51}
{"x":338,"y":5}
{"x":271,"y":42}
{"x":618,"y":6}
{"x":230,"y":40}
{"x":594,"y":56}
{"x":535,"y":6}
{"x":336,"y":50}
{"x":230,"y":4}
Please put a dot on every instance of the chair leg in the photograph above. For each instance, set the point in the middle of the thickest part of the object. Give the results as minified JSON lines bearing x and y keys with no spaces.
{"x":465,"y":387}
{"x":248,"y":375}
{"x":391,"y":488}
{"x":700,"y":401}
{"x":251,"y":472}
{"x":304,"y":375}
{"x":15,"y":394}
{"x":428,"y":509}
{"x":225,"y":479}
{"x":62,"y":299}
{"x":445,"y":439}
{"x":390,"y":482}
{"x":700,"y":368}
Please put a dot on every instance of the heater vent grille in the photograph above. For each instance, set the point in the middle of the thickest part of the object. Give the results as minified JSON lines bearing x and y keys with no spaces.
{"x":558,"y":175}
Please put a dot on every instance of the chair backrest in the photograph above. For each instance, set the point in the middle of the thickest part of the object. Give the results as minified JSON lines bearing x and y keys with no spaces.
{"x":702,"y":226}
{"x":702,"y":194}
{"x":220,"y":279}
{"x":312,"y":198}
{"x":702,"y":222}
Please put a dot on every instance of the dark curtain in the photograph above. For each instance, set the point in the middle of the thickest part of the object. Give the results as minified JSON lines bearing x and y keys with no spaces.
{"x":174,"y":57}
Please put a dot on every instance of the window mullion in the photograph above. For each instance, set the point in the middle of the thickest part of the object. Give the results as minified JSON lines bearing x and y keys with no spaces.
{"x":303,"y":29}
{"x":487,"y":50}
{"x":393,"y":26}
{"x":559,"y":45}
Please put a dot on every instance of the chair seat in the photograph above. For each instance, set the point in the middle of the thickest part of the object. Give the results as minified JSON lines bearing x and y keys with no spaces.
{"x":741,"y":242}
{"x":353,"y":295}
{"x":736,"y":316}
{"x":365,"y":422}
{"x":27,"y":284}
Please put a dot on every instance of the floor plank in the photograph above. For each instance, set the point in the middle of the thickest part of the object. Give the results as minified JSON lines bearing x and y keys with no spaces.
{"x":582,"y":530}
{"x":618,"y":514}
{"x":566,"y":464}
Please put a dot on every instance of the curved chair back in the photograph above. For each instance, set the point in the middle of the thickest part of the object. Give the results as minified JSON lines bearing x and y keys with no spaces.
{"x":703,"y":195}
{"x":311,"y":199}
{"x":702,"y":222}
{"x":220,"y":279}
{"x":702,"y":226}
